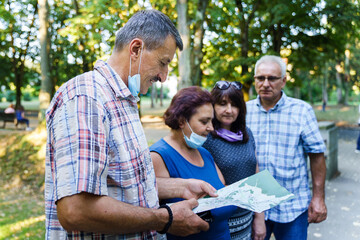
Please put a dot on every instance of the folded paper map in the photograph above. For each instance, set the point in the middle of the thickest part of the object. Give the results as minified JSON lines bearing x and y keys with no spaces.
{"x":257,"y":193}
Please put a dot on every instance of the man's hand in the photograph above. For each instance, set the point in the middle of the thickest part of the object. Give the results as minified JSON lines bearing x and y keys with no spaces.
{"x":317,"y":211}
{"x":258,"y":227}
{"x":185,"y":221}
{"x":194,"y":188}
{"x":184,"y":188}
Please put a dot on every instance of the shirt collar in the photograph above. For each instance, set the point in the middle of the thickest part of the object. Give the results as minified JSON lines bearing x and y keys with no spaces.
{"x":280,"y":103}
{"x":114,"y":80}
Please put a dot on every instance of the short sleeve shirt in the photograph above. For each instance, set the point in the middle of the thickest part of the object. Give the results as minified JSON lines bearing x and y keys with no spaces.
{"x":284,"y":136}
{"x":96,"y":144}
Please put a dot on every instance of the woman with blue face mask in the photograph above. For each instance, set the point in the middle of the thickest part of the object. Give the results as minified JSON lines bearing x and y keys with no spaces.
{"x":180,"y":154}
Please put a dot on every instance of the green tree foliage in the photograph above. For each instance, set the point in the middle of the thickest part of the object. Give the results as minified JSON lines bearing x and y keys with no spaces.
{"x":226,"y":39}
{"x":18,"y":51}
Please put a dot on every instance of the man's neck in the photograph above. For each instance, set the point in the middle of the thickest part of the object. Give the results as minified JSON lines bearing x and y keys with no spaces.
{"x":120,"y":65}
{"x":267,"y":105}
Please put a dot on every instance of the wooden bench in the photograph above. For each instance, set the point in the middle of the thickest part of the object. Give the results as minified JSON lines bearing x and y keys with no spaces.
{"x":8,"y":117}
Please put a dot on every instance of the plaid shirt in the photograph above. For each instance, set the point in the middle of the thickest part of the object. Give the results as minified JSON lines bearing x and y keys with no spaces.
{"x":284,"y":135}
{"x":96,"y":144}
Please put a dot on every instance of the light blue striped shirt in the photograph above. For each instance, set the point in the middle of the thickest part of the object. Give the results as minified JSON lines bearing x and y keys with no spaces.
{"x":284,"y":135}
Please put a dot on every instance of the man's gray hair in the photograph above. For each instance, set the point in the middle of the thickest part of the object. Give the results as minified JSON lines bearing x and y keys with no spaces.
{"x":151,"y":26}
{"x":272,"y":59}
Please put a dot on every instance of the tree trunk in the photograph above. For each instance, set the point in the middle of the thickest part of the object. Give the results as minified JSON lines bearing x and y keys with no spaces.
{"x":277,"y":35}
{"x":325,"y":84}
{"x":340,"y":99}
{"x":297,"y":92}
{"x":347,"y":74}
{"x":184,"y":55}
{"x":18,"y":85}
{"x":197,"y":54}
{"x":46,"y":82}
{"x":244,"y":40}
{"x":161,"y":95}
{"x":153,"y":95}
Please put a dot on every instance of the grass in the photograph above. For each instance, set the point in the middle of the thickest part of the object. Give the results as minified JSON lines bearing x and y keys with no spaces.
{"x":22,"y":214}
{"x":343,"y":116}
{"x":28,"y":105}
{"x":22,"y":158}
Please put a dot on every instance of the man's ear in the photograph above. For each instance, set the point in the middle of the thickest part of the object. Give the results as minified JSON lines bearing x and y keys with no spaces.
{"x":135,"y":47}
{"x":283,"y":82}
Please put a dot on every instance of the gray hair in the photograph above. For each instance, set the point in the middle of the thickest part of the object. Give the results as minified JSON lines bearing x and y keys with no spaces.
{"x":151,"y":26}
{"x":272,"y":59}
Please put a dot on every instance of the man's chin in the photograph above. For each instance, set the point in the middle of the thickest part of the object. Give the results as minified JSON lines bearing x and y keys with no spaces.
{"x":266,"y":97}
{"x":144,"y":91}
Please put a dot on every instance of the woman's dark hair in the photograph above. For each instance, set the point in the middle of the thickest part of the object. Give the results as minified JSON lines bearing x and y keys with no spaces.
{"x":184,"y":105}
{"x":237,"y":98}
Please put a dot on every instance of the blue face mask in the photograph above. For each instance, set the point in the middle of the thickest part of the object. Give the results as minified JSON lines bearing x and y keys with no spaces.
{"x":134,"y":81}
{"x":195,"y":141}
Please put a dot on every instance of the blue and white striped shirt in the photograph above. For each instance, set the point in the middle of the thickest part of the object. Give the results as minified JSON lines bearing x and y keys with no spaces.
{"x":284,"y":135}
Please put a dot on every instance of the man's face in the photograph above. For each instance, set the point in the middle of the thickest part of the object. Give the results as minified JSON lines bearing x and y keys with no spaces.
{"x":155,"y":63}
{"x":269,"y":88}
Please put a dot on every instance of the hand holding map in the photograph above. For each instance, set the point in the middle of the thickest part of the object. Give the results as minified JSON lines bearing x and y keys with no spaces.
{"x":257,"y":193}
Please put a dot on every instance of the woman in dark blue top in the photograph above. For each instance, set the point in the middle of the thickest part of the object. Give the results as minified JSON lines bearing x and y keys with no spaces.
{"x":232,"y":146}
{"x":180,"y":155}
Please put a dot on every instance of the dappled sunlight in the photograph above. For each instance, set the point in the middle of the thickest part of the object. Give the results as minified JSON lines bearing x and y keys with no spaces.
{"x":150,"y":118}
{"x":14,"y":201}
{"x":9,"y":229}
{"x":37,"y":136}
{"x":345,"y":109}
{"x":23,"y":157}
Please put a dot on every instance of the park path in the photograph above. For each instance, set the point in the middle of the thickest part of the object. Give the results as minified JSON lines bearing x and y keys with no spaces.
{"x":342,"y":193}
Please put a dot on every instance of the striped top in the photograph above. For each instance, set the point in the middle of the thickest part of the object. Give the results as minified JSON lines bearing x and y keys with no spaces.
{"x":236,"y":161}
{"x":284,"y":135}
{"x":96,"y":144}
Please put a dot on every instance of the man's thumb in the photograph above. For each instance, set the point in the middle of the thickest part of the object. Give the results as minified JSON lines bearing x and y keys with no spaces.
{"x":193,"y":203}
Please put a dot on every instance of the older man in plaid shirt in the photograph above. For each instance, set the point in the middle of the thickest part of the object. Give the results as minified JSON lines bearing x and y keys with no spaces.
{"x":286,"y":132}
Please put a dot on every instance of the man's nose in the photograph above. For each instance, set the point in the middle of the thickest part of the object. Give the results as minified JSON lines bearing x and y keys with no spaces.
{"x":266,"y":82}
{"x":163,"y":75}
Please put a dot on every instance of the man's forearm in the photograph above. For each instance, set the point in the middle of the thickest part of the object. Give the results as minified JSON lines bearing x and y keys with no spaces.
{"x":318,"y":173}
{"x":169,"y":187}
{"x":103,"y":214}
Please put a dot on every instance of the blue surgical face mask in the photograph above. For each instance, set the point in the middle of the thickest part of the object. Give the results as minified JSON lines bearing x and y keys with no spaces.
{"x":134,"y":81}
{"x":195,"y":141}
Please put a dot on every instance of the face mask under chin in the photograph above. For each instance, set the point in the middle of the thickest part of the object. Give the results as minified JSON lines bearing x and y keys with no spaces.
{"x":195,"y":141}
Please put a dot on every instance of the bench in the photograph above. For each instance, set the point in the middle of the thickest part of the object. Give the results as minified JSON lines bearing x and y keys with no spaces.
{"x":7,"y":117}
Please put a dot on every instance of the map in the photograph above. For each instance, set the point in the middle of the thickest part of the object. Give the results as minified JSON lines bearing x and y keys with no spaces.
{"x":257,"y":193}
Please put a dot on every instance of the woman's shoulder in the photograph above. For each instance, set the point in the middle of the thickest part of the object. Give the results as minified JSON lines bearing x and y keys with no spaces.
{"x":159,"y":145}
{"x":249,"y":131}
